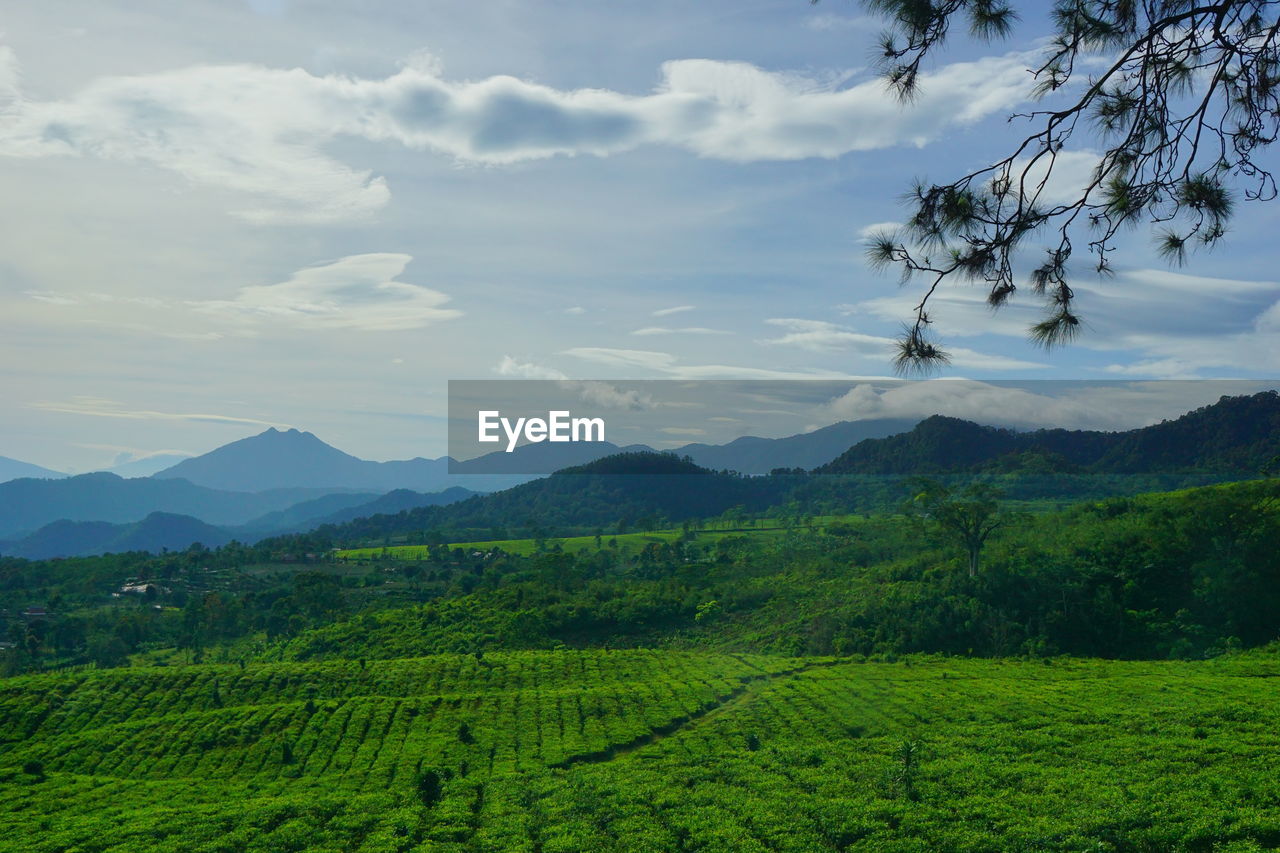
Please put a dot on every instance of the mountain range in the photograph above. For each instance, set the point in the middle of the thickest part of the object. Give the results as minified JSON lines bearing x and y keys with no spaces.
{"x":287,"y":481}
{"x":1232,"y":439}
{"x":13,"y":469}
{"x":166,"y":530}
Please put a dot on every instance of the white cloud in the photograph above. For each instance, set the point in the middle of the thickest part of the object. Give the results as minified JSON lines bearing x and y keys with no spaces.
{"x":263,"y":131}
{"x":611,"y":357}
{"x":96,"y":407}
{"x":877,"y":228}
{"x":666,"y":312}
{"x":608,"y":396}
{"x":667,"y":364}
{"x":355,"y":292}
{"x":1064,"y":176}
{"x":588,"y":390}
{"x":730,"y":371}
{"x":526,"y":370}
{"x":50,"y":297}
{"x":820,"y":336}
{"x":575,"y":311}
{"x":1073,"y":405}
{"x":827,"y":22}
{"x":1161,"y":368}
{"x":1201,"y":322}
{"x":685,"y":330}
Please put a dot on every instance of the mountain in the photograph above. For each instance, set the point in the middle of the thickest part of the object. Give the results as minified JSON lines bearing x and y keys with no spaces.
{"x":340,"y":508}
{"x":27,"y":504}
{"x":543,"y":458}
{"x":147,"y":465}
{"x":291,"y":458}
{"x":272,"y":460}
{"x":752,"y":455}
{"x":395,"y":502}
{"x":635,"y":488}
{"x":13,"y":469}
{"x":278,"y":459}
{"x":157,"y":532}
{"x":299,"y":517}
{"x":1235,"y":436}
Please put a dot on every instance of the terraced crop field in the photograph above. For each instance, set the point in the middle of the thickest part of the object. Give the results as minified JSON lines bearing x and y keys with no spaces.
{"x":645,"y":750}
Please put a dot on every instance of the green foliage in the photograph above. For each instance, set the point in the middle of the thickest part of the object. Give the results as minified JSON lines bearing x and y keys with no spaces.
{"x":1175,"y":100}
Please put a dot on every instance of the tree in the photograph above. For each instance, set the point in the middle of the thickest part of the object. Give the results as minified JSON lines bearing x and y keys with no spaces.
{"x":968,"y":516}
{"x":1185,"y":99}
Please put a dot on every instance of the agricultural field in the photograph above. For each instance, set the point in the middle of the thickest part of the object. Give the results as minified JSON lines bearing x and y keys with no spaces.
{"x":624,"y":543}
{"x":645,"y":750}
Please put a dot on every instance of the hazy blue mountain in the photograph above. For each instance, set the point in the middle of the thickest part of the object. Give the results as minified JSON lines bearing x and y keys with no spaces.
{"x":275,"y":459}
{"x":14,"y":469}
{"x":291,"y":458}
{"x":753,"y":455}
{"x":28,"y":504}
{"x":278,"y":459}
{"x":297,"y":518}
{"x":157,"y":532}
{"x":147,"y":465}
{"x":394,"y":502}
{"x":543,"y":458}
{"x":341,"y":508}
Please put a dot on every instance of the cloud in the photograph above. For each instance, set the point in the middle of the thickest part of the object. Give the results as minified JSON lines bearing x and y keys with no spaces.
{"x":608,"y":396}
{"x":263,"y":132}
{"x":591,"y":391}
{"x":526,"y":370}
{"x":667,"y":364}
{"x":1177,"y":324}
{"x":1073,"y":405}
{"x":51,"y":297}
{"x":666,"y":312}
{"x":876,"y":228}
{"x":823,"y":336}
{"x":355,"y":292}
{"x":685,"y":330}
{"x":827,"y":22}
{"x":1163,"y":368}
{"x":575,"y":311}
{"x":819,"y":336}
{"x":100,"y":408}
{"x":1064,"y":177}
{"x":611,"y":357}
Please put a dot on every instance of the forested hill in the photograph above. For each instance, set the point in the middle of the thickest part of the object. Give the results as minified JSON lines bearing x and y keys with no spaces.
{"x":632,"y":488}
{"x":1236,"y":435}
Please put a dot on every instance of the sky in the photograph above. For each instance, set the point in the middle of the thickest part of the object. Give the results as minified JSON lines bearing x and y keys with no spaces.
{"x":228,"y":216}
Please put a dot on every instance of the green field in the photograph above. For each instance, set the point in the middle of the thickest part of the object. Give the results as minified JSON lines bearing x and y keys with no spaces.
{"x":624,"y":543}
{"x":645,"y":750}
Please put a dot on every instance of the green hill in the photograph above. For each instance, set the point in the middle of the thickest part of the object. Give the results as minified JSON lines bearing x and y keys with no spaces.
{"x":1236,"y":436}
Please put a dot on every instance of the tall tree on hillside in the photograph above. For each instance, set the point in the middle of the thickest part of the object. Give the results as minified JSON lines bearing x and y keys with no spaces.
{"x":967,"y":516}
{"x":1177,"y":101}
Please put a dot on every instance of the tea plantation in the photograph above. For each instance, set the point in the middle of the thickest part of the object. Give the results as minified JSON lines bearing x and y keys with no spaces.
{"x":645,"y":750}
